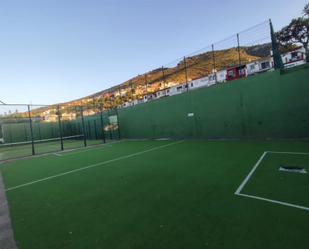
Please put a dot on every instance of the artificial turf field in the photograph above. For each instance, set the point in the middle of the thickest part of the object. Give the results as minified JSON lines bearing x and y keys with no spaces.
{"x":22,"y":150}
{"x":161,"y":194}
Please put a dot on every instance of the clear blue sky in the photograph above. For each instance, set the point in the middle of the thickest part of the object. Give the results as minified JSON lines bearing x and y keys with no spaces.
{"x":59,"y":50}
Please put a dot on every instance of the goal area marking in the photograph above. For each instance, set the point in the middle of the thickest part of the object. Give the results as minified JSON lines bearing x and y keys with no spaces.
{"x":249,"y":176}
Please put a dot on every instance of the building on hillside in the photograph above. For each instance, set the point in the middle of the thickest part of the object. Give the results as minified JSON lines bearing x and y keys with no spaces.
{"x":221,"y":76}
{"x":197,"y":83}
{"x":234,"y":73}
{"x":294,"y":58}
{"x":260,"y":66}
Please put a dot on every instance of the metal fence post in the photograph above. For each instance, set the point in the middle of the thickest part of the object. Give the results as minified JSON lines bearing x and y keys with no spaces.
{"x":83,"y":126}
{"x":109,"y":124}
{"x":119,"y":134}
{"x":102,"y":124}
{"x":146,"y":84}
{"x":119,"y":91}
{"x":186,"y":73}
{"x":132,"y":91}
{"x":238,"y":48}
{"x":214,"y":62}
{"x":60,"y":126}
{"x":163,"y":77}
{"x":31,"y":130}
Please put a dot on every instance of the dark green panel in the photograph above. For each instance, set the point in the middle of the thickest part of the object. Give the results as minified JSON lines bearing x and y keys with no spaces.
{"x":269,"y":105}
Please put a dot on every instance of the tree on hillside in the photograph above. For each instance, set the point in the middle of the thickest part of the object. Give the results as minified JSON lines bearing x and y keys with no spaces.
{"x":306,"y":10}
{"x":296,"y":32}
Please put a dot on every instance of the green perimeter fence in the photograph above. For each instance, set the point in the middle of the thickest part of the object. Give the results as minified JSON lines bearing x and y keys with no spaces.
{"x":36,"y":129}
{"x":270,"y":105}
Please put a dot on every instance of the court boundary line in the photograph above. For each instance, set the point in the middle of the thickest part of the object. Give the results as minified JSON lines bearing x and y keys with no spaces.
{"x":65,"y":151}
{"x":92,"y":166}
{"x":249,"y":176}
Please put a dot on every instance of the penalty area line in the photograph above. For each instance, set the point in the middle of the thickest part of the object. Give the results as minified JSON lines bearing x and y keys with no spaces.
{"x":275,"y":201}
{"x":92,"y":166}
{"x":242,"y":185}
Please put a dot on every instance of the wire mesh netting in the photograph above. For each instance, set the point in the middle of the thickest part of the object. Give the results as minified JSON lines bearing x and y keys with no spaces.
{"x":241,"y":55}
{"x":37,"y":129}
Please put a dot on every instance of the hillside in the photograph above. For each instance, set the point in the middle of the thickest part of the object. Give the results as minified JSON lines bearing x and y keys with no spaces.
{"x":197,"y":66}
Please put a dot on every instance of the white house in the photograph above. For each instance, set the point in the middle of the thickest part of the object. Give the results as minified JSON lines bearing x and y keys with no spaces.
{"x":294,"y":58}
{"x":201,"y":82}
{"x":259,"y":66}
{"x":176,"y":89}
{"x":221,"y":76}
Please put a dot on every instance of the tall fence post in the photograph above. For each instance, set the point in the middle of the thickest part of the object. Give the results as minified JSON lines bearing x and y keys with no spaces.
{"x":186,"y":73}
{"x":163,"y":77}
{"x":278,"y":63}
{"x":117,"y":115}
{"x":109,"y":124}
{"x":31,"y":130}
{"x":119,"y":91}
{"x":60,"y":127}
{"x":132,"y":92}
{"x":102,"y":124}
{"x":111,"y":103}
{"x":146,"y":84}
{"x":238,"y":48}
{"x":83,"y":125}
{"x":214,"y":62}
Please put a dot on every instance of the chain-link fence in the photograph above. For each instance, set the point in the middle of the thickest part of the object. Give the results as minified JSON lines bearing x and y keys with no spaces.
{"x":37,"y":129}
{"x":242,"y":55}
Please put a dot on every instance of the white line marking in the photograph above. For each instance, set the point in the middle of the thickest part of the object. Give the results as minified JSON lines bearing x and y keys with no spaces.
{"x":88,"y":148}
{"x":250,"y":173}
{"x":287,"y":152}
{"x":274,"y":201}
{"x":93,"y":165}
{"x":266,"y":199}
{"x":57,"y":154}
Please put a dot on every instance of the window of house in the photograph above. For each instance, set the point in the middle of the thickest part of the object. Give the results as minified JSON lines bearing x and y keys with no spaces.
{"x":265,"y":65}
{"x":294,"y":54}
{"x":231,"y":74}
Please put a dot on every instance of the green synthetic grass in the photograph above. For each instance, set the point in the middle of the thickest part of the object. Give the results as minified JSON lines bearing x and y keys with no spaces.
{"x":269,"y":182}
{"x":23,"y":150}
{"x":179,"y":196}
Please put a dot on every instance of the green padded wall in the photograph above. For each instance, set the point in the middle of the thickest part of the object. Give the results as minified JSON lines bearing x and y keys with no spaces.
{"x":269,"y":105}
